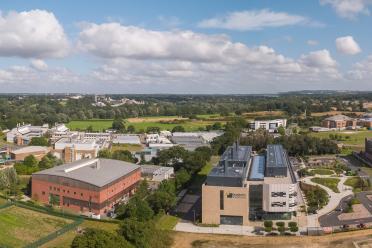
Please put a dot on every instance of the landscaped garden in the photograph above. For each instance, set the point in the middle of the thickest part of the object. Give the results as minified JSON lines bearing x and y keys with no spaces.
{"x":328,"y":182}
{"x":358,"y":184}
{"x":322,"y":172}
{"x":316,"y":197}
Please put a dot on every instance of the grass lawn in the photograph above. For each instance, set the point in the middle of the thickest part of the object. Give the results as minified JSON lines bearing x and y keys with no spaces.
{"x":128,"y":147}
{"x":19,"y":226}
{"x":355,"y":183}
{"x":323,"y":171}
{"x":167,"y":222}
{"x":65,"y":240}
{"x":97,"y":125}
{"x":328,"y":182}
{"x":189,"y":125}
{"x":356,"y":138}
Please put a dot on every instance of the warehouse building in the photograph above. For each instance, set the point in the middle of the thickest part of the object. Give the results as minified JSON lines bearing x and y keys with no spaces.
{"x":89,"y":186}
{"x":246,"y":187}
{"x":37,"y":151}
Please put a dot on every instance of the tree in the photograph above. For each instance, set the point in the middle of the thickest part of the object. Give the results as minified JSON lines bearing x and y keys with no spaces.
{"x":49,"y":161}
{"x":281,"y":130}
{"x":104,"y":153}
{"x":182,"y":177}
{"x":123,"y":155}
{"x":118,"y":124}
{"x":153,"y":130}
{"x":178,"y":129}
{"x":39,"y":141}
{"x":136,"y":208}
{"x":97,"y":238}
{"x":131,"y":129}
{"x":162,"y":200}
{"x":30,"y":161}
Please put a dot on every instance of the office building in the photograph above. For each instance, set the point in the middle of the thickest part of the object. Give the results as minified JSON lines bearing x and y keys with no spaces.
{"x":244,"y":187}
{"x":269,"y":125}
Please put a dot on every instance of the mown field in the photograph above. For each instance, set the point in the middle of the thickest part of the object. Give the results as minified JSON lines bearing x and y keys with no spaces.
{"x":164,"y":123}
{"x":19,"y":226}
{"x":352,"y":138}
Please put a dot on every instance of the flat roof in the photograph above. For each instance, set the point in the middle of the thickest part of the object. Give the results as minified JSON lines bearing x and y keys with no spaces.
{"x":257,"y":168}
{"x":98,"y":172}
{"x":239,"y":153}
{"x":30,"y":149}
{"x":275,"y":156}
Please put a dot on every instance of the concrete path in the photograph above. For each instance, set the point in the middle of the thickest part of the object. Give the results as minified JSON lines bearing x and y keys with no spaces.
{"x":222,"y":229}
{"x":334,"y":198}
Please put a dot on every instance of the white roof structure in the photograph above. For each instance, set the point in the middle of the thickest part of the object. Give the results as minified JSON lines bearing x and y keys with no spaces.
{"x":127,"y":139}
{"x":31,"y":149}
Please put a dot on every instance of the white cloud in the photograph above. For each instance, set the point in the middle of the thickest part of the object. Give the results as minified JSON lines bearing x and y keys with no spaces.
{"x":255,"y":20}
{"x":312,"y":42}
{"x":348,"y":8}
{"x":321,"y":58}
{"x":347,"y":45}
{"x":32,"y":34}
{"x":38,"y":64}
{"x":361,"y":70}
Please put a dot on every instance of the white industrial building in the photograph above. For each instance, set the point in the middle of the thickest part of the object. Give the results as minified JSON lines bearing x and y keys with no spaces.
{"x":269,"y":125}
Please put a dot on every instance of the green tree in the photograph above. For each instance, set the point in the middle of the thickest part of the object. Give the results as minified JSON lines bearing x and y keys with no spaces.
{"x":39,"y":141}
{"x":178,"y":129}
{"x":97,"y":238}
{"x":153,"y":130}
{"x":30,"y":161}
{"x":123,"y":155}
{"x":281,"y":130}
{"x":131,"y":129}
{"x":136,"y":208}
{"x":49,"y":161}
{"x":182,"y":177}
{"x":118,"y":124}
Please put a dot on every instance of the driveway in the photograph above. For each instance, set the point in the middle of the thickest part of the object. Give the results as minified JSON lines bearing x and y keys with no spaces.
{"x":331,"y":219}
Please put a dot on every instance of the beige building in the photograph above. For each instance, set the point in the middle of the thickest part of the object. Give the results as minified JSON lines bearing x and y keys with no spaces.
{"x":245,"y":187}
{"x":37,"y":151}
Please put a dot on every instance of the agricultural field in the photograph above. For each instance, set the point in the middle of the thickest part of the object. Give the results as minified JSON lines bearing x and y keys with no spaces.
{"x":65,"y":240}
{"x":352,"y":138}
{"x":335,"y":113}
{"x":19,"y":226}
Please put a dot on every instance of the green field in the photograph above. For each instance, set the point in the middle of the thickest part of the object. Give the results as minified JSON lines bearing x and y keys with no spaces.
{"x":65,"y":240}
{"x":356,"y":183}
{"x":97,"y":125}
{"x":100,"y":125}
{"x":19,"y":226}
{"x":328,"y":182}
{"x":353,"y":138}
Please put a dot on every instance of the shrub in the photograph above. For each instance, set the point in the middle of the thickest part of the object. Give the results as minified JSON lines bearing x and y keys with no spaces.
{"x":293,"y":228}
{"x":268,"y":223}
{"x":281,"y":229}
{"x":280,"y":224}
{"x":292,"y":224}
{"x":268,"y":229}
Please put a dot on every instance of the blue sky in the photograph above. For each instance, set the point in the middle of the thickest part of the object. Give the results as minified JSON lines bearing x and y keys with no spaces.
{"x":192,"y":46}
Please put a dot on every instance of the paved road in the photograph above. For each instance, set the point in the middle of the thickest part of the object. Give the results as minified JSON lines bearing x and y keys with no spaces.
{"x":331,"y":219}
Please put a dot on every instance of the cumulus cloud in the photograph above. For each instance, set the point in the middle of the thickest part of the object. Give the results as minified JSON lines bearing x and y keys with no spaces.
{"x":255,"y":20}
{"x":348,"y":8}
{"x":347,"y":45}
{"x":32,"y":34}
{"x":361,"y":70}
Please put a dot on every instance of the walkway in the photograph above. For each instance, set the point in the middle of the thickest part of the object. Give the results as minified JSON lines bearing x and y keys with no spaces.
{"x":221,"y":229}
{"x":334,"y":198}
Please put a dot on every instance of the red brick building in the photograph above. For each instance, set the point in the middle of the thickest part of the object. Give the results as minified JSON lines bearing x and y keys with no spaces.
{"x":339,"y":122}
{"x":86,"y":186}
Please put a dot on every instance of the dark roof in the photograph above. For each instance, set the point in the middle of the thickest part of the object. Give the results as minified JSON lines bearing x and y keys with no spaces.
{"x":98,"y":172}
{"x":257,"y":168}
{"x":275,"y":156}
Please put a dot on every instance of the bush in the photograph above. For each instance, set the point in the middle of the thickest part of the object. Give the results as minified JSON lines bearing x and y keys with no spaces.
{"x":268,"y":229}
{"x":280,"y":224}
{"x":281,"y":229}
{"x":268,"y":223}
{"x":292,"y":224}
{"x":293,"y":228}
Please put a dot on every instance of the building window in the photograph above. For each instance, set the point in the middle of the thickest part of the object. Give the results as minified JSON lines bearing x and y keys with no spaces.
{"x":278,"y":194}
{"x":221,"y":200}
{"x":81,"y":194}
{"x":74,"y":193}
{"x":43,"y":193}
{"x":50,"y":187}
{"x":278,"y":204}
